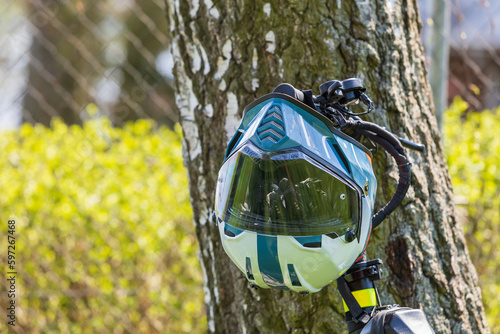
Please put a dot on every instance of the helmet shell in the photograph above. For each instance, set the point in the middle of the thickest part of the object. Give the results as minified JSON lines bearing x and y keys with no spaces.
{"x":276,"y":123}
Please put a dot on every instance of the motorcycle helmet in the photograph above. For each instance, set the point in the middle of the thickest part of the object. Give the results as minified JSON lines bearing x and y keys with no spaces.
{"x":295,"y":195}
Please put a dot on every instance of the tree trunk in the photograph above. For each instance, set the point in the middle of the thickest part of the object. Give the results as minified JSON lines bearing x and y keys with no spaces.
{"x":227,"y":54}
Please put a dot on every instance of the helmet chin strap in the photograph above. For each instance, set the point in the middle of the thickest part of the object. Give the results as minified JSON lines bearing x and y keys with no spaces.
{"x":358,"y":291}
{"x":358,"y":314}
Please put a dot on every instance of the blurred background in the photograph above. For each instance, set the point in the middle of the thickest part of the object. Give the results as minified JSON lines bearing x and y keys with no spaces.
{"x":92,"y":172}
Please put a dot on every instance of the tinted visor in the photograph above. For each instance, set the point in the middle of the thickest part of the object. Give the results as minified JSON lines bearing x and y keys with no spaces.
{"x":285,"y":194}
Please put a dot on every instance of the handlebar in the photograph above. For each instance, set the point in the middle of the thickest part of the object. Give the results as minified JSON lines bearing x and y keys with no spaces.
{"x":334,"y":102}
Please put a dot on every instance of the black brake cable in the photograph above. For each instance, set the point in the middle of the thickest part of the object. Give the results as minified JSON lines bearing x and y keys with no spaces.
{"x":393,"y":146}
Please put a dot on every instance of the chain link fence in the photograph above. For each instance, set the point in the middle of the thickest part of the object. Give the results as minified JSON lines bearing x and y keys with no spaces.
{"x":59,"y":56}
{"x":475,"y":53}
{"x":472,"y":33}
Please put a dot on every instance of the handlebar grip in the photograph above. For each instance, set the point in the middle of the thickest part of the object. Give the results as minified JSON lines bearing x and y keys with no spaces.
{"x":289,"y":90}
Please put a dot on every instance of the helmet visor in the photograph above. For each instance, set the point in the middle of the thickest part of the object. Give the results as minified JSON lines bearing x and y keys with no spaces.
{"x":285,"y":194}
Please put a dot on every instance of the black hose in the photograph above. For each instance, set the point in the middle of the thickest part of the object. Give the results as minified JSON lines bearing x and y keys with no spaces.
{"x":393,"y":146}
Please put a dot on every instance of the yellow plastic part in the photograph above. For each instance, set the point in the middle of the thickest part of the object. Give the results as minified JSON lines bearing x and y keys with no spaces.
{"x":365,"y":298}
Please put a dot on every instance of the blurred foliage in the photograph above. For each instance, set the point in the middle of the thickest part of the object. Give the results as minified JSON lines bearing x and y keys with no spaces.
{"x":472,"y":145}
{"x":104,"y":238}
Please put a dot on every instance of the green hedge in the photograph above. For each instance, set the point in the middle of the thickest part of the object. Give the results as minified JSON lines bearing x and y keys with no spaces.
{"x":104,"y":240}
{"x":472,"y":145}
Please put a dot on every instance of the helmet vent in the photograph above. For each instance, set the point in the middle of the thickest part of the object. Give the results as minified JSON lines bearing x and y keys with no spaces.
{"x":293,"y":275}
{"x":341,"y":156}
{"x":249,"y":269}
{"x":272,"y":126}
{"x":313,"y":244}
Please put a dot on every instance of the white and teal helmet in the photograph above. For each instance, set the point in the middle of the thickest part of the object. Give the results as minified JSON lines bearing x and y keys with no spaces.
{"x":294,"y":197}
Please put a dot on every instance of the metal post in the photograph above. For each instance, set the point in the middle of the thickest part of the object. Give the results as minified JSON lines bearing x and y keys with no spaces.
{"x":439,"y":54}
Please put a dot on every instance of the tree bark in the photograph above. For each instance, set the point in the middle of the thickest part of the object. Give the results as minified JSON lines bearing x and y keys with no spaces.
{"x":227,"y":53}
